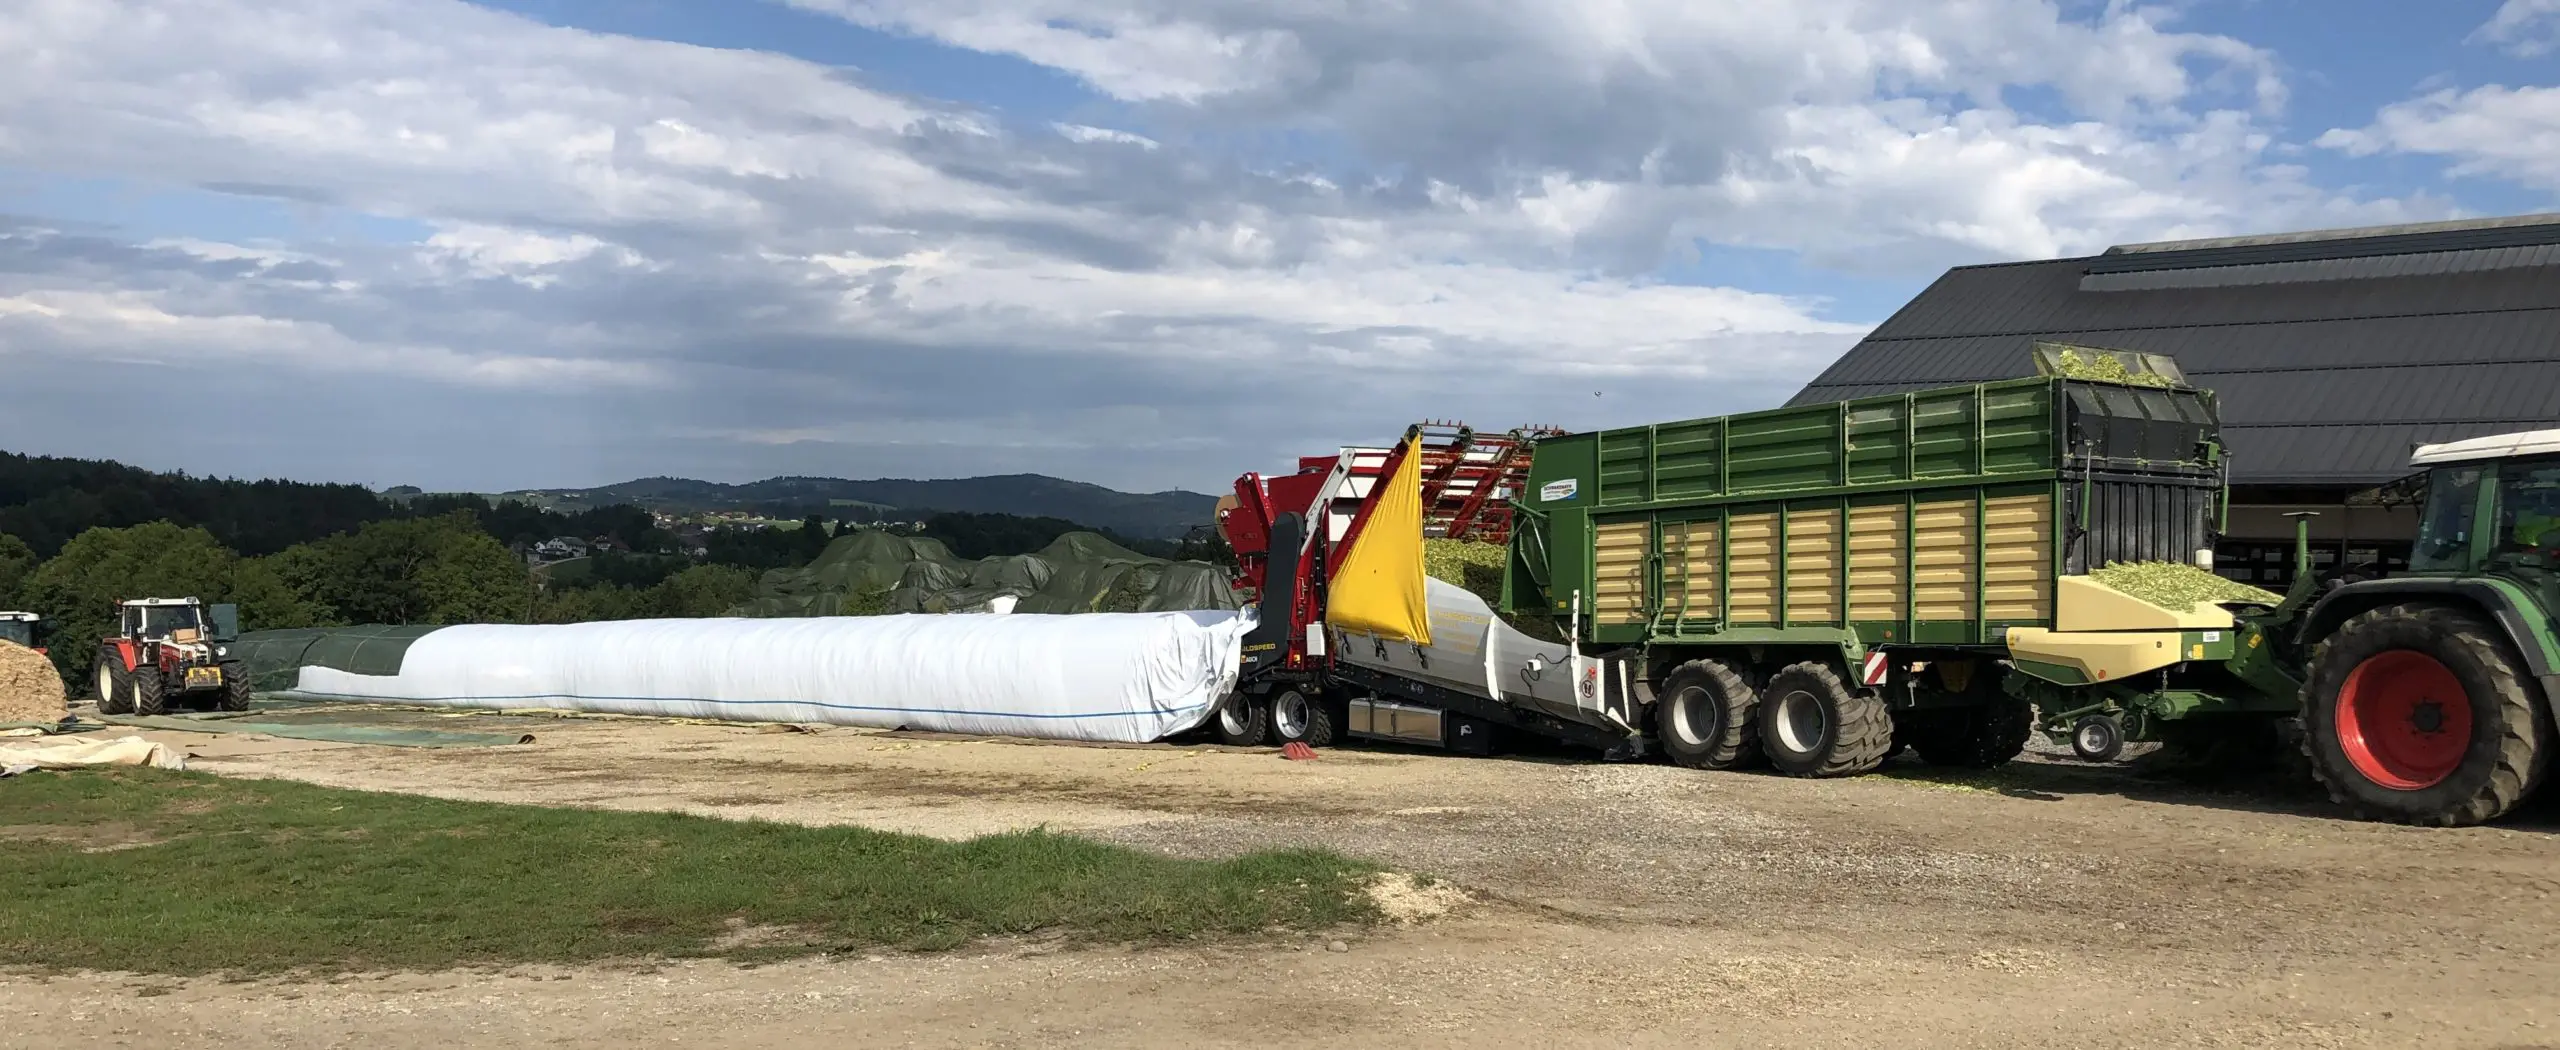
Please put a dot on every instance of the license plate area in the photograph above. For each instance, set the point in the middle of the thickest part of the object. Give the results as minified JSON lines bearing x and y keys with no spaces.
{"x":203,"y":677}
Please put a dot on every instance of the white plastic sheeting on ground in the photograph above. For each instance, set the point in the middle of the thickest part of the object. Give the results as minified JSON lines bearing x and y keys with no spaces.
{"x":1126,"y":678}
{"x":56,"y":753}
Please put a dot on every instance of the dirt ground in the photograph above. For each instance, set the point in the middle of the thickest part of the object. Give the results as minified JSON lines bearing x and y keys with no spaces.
{"x":1615,"y":905}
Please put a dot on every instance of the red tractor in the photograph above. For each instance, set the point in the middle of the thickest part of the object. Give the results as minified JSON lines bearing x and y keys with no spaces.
{"x":171,"y":649}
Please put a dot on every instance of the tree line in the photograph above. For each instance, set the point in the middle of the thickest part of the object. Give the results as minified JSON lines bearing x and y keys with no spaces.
{"x":445,"y":569}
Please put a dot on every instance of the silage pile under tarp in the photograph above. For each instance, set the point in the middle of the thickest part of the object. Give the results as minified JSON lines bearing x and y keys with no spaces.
{"x":873,"y":572}
{"x":2177,"y":585}
{"x":1126,"y":678}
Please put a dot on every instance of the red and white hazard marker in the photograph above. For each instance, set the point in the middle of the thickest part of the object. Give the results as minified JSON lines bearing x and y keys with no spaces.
{"x":1872,"y":673}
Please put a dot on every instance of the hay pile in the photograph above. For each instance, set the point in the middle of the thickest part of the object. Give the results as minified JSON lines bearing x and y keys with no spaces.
{"x":30,"y":689}
{"x":2177,"y":585}
{"x":2103,"y":368}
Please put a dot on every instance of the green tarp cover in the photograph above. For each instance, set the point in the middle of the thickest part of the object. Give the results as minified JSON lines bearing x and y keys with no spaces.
{"x":274,"y":657}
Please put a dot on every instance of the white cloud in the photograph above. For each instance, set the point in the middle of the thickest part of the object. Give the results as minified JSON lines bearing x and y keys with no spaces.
{"x":2523,"y":28}
{"x":136,"y":328}
{"x":2503,"y":132}
{"x":754,"y":250}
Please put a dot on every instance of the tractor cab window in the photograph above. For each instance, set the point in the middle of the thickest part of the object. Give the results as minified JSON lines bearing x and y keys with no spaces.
{"x":159,"y":621}
{"x":2529,"y":508}
{"x":2444,"y":534}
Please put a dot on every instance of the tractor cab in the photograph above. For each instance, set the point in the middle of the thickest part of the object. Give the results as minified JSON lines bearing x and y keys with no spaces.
{"x":184,"y":621}
{"x":2492,"y":506}
{"x":21,"y":628}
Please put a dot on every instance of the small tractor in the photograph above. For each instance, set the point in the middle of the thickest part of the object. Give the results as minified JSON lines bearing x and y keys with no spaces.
{"x":22,"y":628}
{"x":2428,"y":696}
{"x":171,"y":650}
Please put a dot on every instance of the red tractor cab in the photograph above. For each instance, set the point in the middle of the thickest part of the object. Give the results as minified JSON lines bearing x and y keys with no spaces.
{"x":171,"y":650}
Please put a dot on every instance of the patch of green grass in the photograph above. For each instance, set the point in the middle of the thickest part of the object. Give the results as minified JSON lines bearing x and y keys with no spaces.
{"x":183,"y":873}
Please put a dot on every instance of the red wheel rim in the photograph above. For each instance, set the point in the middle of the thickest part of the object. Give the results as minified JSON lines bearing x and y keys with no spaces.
{"x":2404,"y":720}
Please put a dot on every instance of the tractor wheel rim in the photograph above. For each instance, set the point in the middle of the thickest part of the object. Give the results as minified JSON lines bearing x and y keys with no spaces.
{"x":1231,"y":717}
{"x":2403,"y":720}
{"x":1689,"y":716}
{"x":2092,"y":738}
{"x":106,"y":684}
{"x":1801,"y":721}
{"x":1289,"y":716}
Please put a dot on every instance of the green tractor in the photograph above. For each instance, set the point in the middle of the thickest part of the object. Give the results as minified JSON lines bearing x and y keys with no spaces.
{"x":2427,"y":696}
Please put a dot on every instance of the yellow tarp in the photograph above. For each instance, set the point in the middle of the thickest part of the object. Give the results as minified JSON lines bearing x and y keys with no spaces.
{"x":1377,"y":588}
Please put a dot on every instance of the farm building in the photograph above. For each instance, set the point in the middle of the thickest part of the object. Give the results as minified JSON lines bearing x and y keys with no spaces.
{"x":2334,"y":353}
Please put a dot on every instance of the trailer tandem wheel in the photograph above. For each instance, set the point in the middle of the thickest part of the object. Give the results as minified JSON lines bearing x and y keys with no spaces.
{"x":1812,"y":724}
{"x":1708,"y":717}
{"x":1297,"y":718}
{"x":1243,"y":721}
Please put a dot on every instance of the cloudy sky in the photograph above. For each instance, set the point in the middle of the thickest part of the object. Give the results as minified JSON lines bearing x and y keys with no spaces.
{"x":1146,"y":243}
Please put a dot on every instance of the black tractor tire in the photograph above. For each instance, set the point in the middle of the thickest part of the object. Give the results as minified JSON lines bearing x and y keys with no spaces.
{"x":1707,"y":716}
{"x":1982,"y":736}
{"x":2422,"y":714}
{"x":1297,"y":718}
{"x":235,"y":688}
{"x":115,"y":684}
{"x":1243,"y":721}
{"x":1812,"y":724}
{"x":150,"y":697}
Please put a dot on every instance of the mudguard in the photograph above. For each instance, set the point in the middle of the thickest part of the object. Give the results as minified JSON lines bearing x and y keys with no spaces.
{"x":2513,"y":609}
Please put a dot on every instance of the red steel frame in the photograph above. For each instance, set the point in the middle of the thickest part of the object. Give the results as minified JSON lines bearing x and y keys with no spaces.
{"x":1468,"y":481}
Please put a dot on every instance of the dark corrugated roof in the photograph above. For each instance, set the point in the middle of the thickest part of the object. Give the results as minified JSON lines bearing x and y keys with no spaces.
{"x":2433,"y":240}
{"x":2321,"y":380}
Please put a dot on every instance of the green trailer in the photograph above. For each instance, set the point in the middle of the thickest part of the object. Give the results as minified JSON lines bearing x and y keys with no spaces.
{"x":1828,"y":584}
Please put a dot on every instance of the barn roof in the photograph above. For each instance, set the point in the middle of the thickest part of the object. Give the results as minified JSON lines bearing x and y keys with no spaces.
{"x":2335,"y":353}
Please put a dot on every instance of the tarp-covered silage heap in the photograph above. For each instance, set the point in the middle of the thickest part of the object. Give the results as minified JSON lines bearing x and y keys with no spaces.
{"x":1100,"y":643}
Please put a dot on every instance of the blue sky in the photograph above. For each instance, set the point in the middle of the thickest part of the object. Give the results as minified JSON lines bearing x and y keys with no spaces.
{"x":1146,"y":243}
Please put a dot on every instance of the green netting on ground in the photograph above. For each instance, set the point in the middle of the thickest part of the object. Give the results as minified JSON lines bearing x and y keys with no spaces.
{"x":877,"y":572}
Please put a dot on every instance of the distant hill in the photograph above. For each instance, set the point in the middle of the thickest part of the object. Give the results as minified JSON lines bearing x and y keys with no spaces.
{"x":1151,"y":515}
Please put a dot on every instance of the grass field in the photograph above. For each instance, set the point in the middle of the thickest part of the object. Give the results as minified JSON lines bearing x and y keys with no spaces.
{"x":184,"y":873}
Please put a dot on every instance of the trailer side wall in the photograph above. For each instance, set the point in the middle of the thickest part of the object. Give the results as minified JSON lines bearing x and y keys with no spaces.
{"x":1936,"y":517}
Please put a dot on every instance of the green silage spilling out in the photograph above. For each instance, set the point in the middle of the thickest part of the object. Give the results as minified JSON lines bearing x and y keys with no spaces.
{"x":2177,"y":585}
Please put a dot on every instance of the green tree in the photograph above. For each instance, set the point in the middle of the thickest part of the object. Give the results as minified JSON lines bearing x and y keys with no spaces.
{"x":701,"y":591}
{"x":438,"y":570}
{"x":268,"y":603}
{"x":78,"y":588}
{"x":17,"y":562}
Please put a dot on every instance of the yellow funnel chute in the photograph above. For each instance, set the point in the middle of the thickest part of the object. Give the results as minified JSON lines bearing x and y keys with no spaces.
{"x":1377,"y":588}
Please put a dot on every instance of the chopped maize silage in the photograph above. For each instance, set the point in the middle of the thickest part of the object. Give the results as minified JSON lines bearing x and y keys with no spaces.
{"x":2104,"y":368}
{"x":1474,"y":566}
{"x":2177,"y":585}
{"x":1478,"y":567}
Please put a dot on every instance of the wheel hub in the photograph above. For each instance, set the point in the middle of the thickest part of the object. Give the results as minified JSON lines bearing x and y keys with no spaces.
{"x":1687,"y":718}
{"x":1289,"y":716}
{"x":2403,"y":720}
{"x":1801,"y":721}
